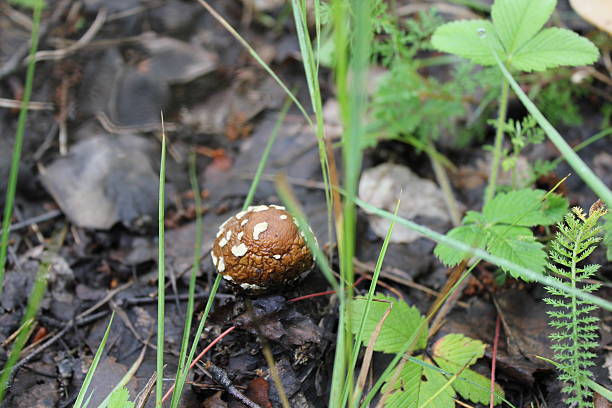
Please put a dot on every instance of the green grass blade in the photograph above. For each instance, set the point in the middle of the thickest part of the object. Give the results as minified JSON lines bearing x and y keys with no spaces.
{"x":21,"y":122}
{"x":94,"y":364}
{"x":34,"y":299}
{"x":266,"y":154}
{"x":161,"y":273}
{"x":284,"y":192}
{"x":182,"y":373}
{"x":197,"y":256}
{"x":460,"y":246}
{"x":579,"y":166}
{"x":257,"y":58}
{"x":366,"y":312}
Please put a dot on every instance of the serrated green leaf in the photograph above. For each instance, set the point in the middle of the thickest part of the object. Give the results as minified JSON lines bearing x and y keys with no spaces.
{"x":462,"y":38}
{"x":525,"y":208}
{"x":476,"y":387}
{"x":554,"y":47}
{"x":458,"y":349}
{"x":516,"y":21}
{"x":453,"y":353}
{"x":518,"y":245}
{"x":120,"y":398}
{"x":553,"y":209}
{"x":416,"y":385}
{"x":398,"y":328}
{"x":472,"y":235}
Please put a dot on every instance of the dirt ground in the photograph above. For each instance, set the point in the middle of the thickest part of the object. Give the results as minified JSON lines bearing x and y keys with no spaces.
{"x":89,"y":172}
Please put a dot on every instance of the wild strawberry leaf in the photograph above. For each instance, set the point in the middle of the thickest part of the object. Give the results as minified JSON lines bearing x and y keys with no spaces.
{"x":399,"y":326}
{"x":515,"y":36}
{"x":554,"y":47}
{"x":454,"y":353}
{"x":120,"y":398}
{"x":516,"y":21}
{"x":472,"y":235}
{"x":518,"y":245}
{"x":419,"y":385}
{"x":525,"y":207}
{"x":462,"y":38}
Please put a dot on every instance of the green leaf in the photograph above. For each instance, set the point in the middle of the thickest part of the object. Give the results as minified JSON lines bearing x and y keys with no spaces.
{"x":518,"y":245}
{"x":120,"y":398}
{"x":525,"y":208}
{"x":472,"y":235}
{"x":462,"y":38}
{"x":458,"y":349}
{"x":553,"y":209}
{"x":399,"y":326}
{"x":476,"y":387}
{"x":453,"y":353}
{"x":516,"y":21}
{"x":554,"y":47}
{"x":416,"y":385}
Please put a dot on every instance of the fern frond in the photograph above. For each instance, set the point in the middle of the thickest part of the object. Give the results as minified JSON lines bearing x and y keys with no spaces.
{"x":576,"y":329}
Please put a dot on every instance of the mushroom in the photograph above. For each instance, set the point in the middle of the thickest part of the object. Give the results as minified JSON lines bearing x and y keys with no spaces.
{"x":261,"y":249}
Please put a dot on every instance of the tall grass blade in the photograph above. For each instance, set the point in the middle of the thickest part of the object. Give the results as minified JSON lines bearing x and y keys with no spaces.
{"x":161,"y":273}
{"x":366,"y":312}
{"x":92,"y":369}
{"x":460,"y":246}
{"x":579,"y":166}
{"x":21,"y":122}
{"x":197,"y":256}
{"x":182,"y":373}
{"x":254,"y":54}
{"x":38,"y":291}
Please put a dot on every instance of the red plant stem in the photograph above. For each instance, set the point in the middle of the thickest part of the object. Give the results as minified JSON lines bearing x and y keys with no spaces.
{"x":327,"y":292}
{"x":493,"y":361}
{"x":195,"y":360}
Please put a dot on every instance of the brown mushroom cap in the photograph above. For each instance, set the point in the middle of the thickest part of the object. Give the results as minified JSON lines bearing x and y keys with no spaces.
{"x":261,"y":249}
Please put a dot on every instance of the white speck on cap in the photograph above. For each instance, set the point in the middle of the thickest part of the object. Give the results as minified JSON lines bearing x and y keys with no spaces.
{"x":240,"y":234}
{"x":228,"y":277}
{"x":278,"y":207}
{"x":222,"y":242}
{"x":258,"y":208}
{"x":221,"y":266}
{"x":219,"y":233}
{"x":240,"y":214}
{"x":259,"y":228}
{"x":239,"y":250}
{"x":277,"y":256}
{"x":247,"y":286}
{"x":228,"y":235}
{"x":243,"y":223}
{"x":283,"y":217}
{"x":214,"y":258}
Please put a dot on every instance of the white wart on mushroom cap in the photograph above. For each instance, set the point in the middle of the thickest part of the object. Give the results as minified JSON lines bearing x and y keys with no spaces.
{"x":261,"y":249}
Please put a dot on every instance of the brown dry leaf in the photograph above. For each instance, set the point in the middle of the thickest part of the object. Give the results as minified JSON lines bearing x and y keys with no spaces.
{"x":596,"y":12}
{"x":258,"y":392}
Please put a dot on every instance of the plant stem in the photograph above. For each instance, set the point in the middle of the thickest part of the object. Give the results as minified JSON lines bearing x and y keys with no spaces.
{"x":445,"y":185}
{"x":499,"y":138}
{"x":23,"y":114}
{"x":579,"y":166}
